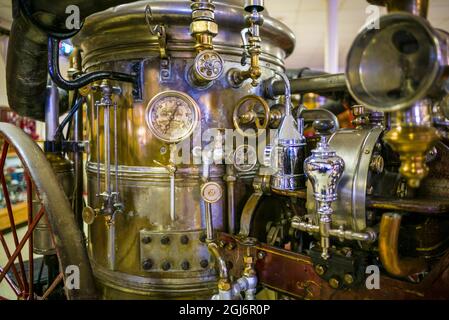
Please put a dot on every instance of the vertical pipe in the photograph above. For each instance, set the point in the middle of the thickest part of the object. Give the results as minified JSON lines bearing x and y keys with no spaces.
{"x":78,"y":166}
{"x":230,"y":184}
{"x":331,"y":39}
{"x":77,"y":136}
{"x":116,"y":152}
{"x":51,"y":112}
{"x":97,"y":107}
{"x":111,"y":242}
{"x":172,"y":196}
{"x":107,"y":149}
{"x":209,"y":223}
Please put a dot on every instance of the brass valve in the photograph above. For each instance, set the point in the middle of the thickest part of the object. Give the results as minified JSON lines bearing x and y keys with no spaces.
{"x":251,"y":45}
{"x":208,"y":65}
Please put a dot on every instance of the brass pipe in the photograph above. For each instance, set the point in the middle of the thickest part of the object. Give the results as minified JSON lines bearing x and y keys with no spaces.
{"x":388,"y":249}
{"x":224,"y":283}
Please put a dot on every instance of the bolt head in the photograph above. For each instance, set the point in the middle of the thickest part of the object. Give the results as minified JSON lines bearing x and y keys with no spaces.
{"x":334,"y":283}
{"x":261,"y":255}
{"x":349,"y":279}
{"x":184,"y":239}
{"x":203,"y":237}
{"x":146,"y":240}
{"x":147,"y":264}
{"x":165,"y":240}
{"x":185,"y":265}
{"x":166,"y":266}
{"x":224,"y":285}
{"x":204,"y":263}
{"x":320,"y":270}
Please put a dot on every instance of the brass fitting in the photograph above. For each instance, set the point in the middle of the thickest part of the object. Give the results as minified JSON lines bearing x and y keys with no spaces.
{"x":252,"y":48}
{"x":203,"y":32}
{"x":224,"y":285}
{"x":412,"y":136}
{"x":208,"y":65}
{"x":413,"y":144}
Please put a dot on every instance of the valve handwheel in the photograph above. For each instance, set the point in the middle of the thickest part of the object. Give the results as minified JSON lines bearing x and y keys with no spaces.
{"x":251,"y":115}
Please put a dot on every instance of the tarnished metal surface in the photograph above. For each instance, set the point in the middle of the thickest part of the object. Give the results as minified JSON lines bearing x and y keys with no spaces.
{"x":69,"y":241}
{"x":115,"y":40}
{"x":123,"y":28}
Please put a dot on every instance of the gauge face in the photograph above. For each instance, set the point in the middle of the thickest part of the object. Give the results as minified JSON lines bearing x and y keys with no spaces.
{"x":245,"y":158}
{"x":211,"y":192}
{"x":172,"y":116}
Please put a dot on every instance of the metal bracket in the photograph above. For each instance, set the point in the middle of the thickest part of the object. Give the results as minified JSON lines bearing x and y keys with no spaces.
{"x":165,"y":70}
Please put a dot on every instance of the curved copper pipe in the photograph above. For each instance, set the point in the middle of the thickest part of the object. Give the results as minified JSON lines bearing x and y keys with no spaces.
{"x":388,"y":249}
{"x":220,"y":263}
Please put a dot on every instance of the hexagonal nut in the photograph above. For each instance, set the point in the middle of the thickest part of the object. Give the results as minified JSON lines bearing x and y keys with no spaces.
{"x":204,"y":27}
{"x":224,"y":285}
{"x":248,"y":260}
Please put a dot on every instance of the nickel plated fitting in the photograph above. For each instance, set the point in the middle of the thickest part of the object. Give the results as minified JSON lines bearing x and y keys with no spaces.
{"x":251,"y":45}
{"x":288,"y":154}
{"x":208,"y":65}
{"x":324,"y":170}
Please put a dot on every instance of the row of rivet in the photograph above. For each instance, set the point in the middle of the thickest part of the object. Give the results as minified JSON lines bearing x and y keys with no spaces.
{"x":185,"y":265}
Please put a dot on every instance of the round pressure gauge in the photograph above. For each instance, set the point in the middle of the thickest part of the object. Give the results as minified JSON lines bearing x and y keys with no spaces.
{"x":172,"y":116}
{"x":211,"y":192}
{"x":245,"y":158}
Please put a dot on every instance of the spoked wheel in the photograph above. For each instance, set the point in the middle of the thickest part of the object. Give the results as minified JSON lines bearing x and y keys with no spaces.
{"x":45,"y":201}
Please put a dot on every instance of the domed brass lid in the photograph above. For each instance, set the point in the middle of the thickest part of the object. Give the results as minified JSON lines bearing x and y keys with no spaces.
{"x":122,"y":33}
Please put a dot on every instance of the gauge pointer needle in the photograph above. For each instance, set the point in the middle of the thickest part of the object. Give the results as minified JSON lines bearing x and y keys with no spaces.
{"x":171,"y":118}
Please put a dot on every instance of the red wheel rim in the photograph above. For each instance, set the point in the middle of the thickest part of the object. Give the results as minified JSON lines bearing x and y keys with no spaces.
{"x":20,"y":281}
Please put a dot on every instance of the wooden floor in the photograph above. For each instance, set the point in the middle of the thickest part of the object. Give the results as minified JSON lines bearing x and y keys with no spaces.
{"x":20,"y":215}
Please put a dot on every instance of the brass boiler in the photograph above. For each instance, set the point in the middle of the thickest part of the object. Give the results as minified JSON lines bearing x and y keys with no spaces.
{"x":144,"y":253}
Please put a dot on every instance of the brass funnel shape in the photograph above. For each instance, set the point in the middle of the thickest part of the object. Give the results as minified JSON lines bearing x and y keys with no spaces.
{"x":413,"y":144}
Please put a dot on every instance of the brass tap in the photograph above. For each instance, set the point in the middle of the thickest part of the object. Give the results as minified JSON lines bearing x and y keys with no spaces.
{"x":251,"y":44}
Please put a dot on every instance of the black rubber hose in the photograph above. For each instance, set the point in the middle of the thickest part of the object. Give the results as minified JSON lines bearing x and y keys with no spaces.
{"x":26,"y":69}
{"x":53,"y":69}
{"x":78,"y":102}
{"x":27,"y":60}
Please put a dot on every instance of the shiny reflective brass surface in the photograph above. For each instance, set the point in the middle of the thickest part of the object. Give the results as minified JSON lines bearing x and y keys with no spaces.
{"x":389,"y":246}
{"x":146,"y":132}
{"x":412,"y":136}
{"x":413,"y":144}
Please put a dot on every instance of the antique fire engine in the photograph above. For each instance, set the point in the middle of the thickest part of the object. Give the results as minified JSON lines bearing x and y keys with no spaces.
{"x":205,"y":179}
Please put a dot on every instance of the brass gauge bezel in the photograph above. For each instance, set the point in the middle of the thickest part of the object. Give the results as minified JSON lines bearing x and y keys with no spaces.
{"x":191,"y":103}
